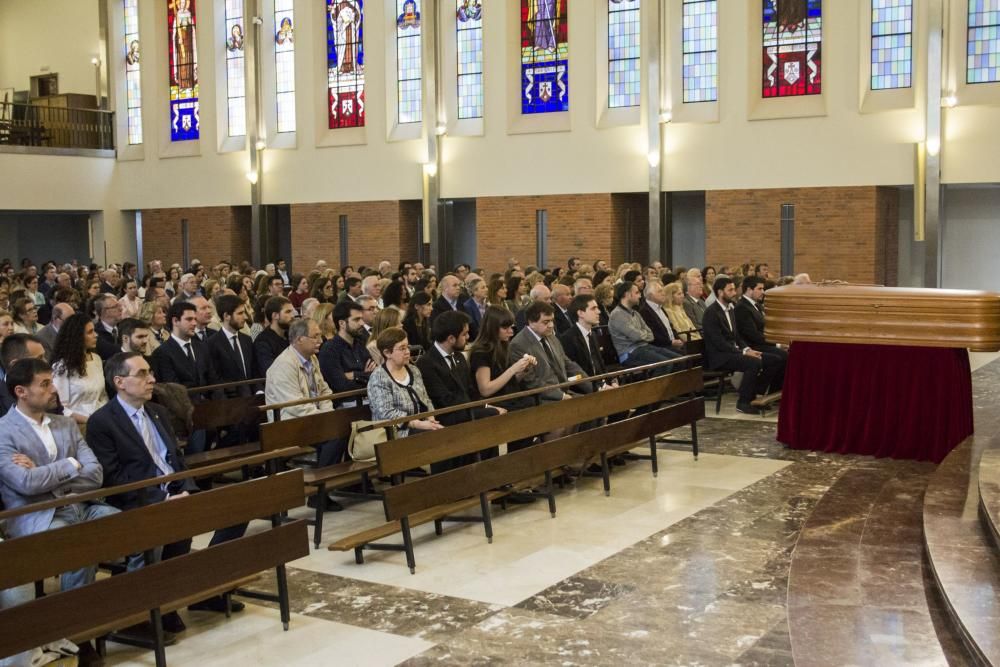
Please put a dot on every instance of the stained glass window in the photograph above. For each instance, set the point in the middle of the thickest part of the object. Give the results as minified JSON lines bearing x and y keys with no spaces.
{"x":182,"y":40}
{"x":469,"y":27}
{"x":892,"y":43}
{"x":345,"y":63}
{"x":983,"y":65}
{"x":700,"y":51}
{"x":544,"y":56}
{"x":284,"y":64}
{"x":792,"y":40}
{"x":624,"y":80}
{"x":408,"y":61}
{"x":133,"y":79}
{"x":235,"y":73}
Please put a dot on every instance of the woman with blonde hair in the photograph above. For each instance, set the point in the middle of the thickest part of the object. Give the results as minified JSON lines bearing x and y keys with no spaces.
{"x":674,"y":308}
{"x":323,"y":316}
{"x":390,"y":318}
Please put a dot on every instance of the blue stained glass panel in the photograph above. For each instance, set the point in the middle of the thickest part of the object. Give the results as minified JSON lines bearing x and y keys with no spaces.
{"x":544,"y":56}
{"x":624,"y":65}
{"x":892,"y":44}
{"x":983,"y":58}
{"x":699,"y":47}
{"x":345,"y":60}
{"x":469,"y":36}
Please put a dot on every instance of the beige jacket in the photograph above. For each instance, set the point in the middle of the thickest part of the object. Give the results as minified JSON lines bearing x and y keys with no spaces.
{"x":287,"y":381}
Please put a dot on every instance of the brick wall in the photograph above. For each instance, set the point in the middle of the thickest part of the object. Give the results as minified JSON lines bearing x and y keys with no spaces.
{"x":846,"y":233}
{"x":214,"y":232}
{"x":376,"y":230}
{"x":588,"y":226}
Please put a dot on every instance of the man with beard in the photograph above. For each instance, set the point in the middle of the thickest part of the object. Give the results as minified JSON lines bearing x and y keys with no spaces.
{"x":726,"y":350}
{"x":448,"y":379}
{"x":344,"y":359}
{"x":272,"y":341}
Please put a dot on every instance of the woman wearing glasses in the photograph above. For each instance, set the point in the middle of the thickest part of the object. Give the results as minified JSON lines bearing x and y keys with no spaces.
{"x":25,"y":316}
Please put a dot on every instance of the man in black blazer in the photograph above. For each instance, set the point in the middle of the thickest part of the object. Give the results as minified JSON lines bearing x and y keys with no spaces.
{"x":562,"y":295}
{"x":133,"y":440}
{"x":448,"y":379}
{"x":579,"y":342}
{"x":652,"y":313}
{"x":109,"y":314}
{"x":726,"y":350}
{"x":750,"y":319}
{"x":231,"y":352}
{"x":451,"y":290}
{"x":185,"y":360}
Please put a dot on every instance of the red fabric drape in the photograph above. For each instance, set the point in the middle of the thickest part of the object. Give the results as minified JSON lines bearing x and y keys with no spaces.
{"x":879,"y":400}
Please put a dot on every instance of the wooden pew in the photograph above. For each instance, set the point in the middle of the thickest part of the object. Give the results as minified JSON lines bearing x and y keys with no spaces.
{"x":397,"y":456}
{"x":303,"y":434}
{"x":238,"y":412}
{"x":116,"y":602}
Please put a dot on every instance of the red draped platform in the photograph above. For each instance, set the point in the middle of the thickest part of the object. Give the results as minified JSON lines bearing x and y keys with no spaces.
{"x":879,"y":400}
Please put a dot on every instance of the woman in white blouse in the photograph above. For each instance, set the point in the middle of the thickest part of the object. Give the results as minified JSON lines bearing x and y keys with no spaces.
{"x":77,"y":371}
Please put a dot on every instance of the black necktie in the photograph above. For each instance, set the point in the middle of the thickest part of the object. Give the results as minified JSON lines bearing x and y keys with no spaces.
{"x":189,"y":353}
{"x":114,"y":334}
{"x":595,"y":354}
{"x":552,"y":360}
{"x":236,"y":348}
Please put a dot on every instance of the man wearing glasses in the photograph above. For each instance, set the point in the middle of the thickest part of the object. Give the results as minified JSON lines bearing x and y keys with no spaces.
{"x":133,"y":440}
{"x":109,"y":314}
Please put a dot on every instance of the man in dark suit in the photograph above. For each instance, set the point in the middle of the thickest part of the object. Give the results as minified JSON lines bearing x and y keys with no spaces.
{"x":133,"y":440}
{"x":448,"y":378}
{"x":579,"y":341}
{"x":60,"y":313}
{"x":750,"y":318}
{"x":726,"y":350}
{"x":562,"y":295}
{"x":109,"y":313}
{"x":652,"y":313}
{"x":231,"y":352}
{"x":475,"y":305}
{"x":451,"y":289}
{"x":202,"y":318}
{"x":552,"y":366}
{"x":185,"y":360}
{"x":694,"y":305}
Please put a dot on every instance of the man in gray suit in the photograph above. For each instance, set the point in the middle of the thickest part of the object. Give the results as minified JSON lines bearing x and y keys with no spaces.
{"x":43,"y":456}
{"x":552,"y":366}
{"x":60,"y":313}
{"x":693,"y":304}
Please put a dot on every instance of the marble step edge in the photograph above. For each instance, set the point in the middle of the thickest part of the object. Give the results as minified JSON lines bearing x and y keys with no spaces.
{"x":954,"y":459}
{"x":989,"y":490}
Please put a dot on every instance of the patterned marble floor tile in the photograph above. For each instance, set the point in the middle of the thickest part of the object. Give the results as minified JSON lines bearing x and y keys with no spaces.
{"x":576,"y":597}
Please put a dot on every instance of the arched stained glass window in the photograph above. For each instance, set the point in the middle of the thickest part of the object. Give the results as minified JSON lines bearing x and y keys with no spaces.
{"x":544,"y":56}
{"x":182,"y":46}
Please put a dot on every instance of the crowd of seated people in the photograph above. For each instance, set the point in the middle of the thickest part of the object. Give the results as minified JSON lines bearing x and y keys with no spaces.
{"x":81,"y":349}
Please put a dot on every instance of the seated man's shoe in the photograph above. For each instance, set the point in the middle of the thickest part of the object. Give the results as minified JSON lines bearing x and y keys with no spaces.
{"x":746,"y":409}
{"x":88,"y":656}
{"x":329,"y":504}
{"x":618,"y":461}
{"x":172,"y":623}
{"x":143,"y":632}
{"x":595,"y":468}
{"x":218,"y":605}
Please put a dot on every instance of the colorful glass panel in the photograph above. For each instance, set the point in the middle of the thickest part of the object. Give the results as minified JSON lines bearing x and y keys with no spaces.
{"x":284,"y":63}
{"x":182,"y":40}
{"x":133,"y":77}
{"x":793,"y":36}
{"x":408,"y":62}
{"x":469,"y":37}
{"x":345,"y":63}
{"x":624,"y":76}
{"x":700,"y":51}
{"x":983,"y":60}
{"x":236,"y":91}
{"x":892,"y":44}
{"x":544,"y":56}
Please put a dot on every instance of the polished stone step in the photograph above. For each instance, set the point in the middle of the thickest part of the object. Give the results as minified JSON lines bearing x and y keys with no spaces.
{"x":858,"y":584}
{"x":989,"y":490}
{"x":963,"y":557}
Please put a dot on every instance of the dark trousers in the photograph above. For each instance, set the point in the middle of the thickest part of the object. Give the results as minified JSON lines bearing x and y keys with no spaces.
{"x":331,"y":452}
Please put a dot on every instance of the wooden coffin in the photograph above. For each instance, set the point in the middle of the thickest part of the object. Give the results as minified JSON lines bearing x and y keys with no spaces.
{"x":842,"y":313}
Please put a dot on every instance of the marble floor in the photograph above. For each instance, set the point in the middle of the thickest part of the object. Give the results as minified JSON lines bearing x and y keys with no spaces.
{"x":689,"y":568}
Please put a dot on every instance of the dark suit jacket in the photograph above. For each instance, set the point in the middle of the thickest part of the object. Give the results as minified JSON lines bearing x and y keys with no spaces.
{"x":107,"y":346}
{"x":444,"y":386}
{"x":750,"y":325}
{"x":266,"y":347}
{"x":227,"y":364}
{"x":441,"y":305}
{"x":475,"y":319}
{"x":563,"y":322}
{"x":576,"y":348}
{"x":721,"y":343}
{"x":124,"y":457}
{"x":661,"y":336}
{"x":171,"y":364}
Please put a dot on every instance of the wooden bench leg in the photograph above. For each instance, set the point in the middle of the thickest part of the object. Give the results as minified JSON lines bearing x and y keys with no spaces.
{"x":484,"y":506}
{"x":551,"y":493}
{"x":605,"y":473}
{"x":159,"y":650}
{"x":320,"y":509}
{"x":408,"y":544}
{"x":654,"y":461}
{"x":694,"y":439}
